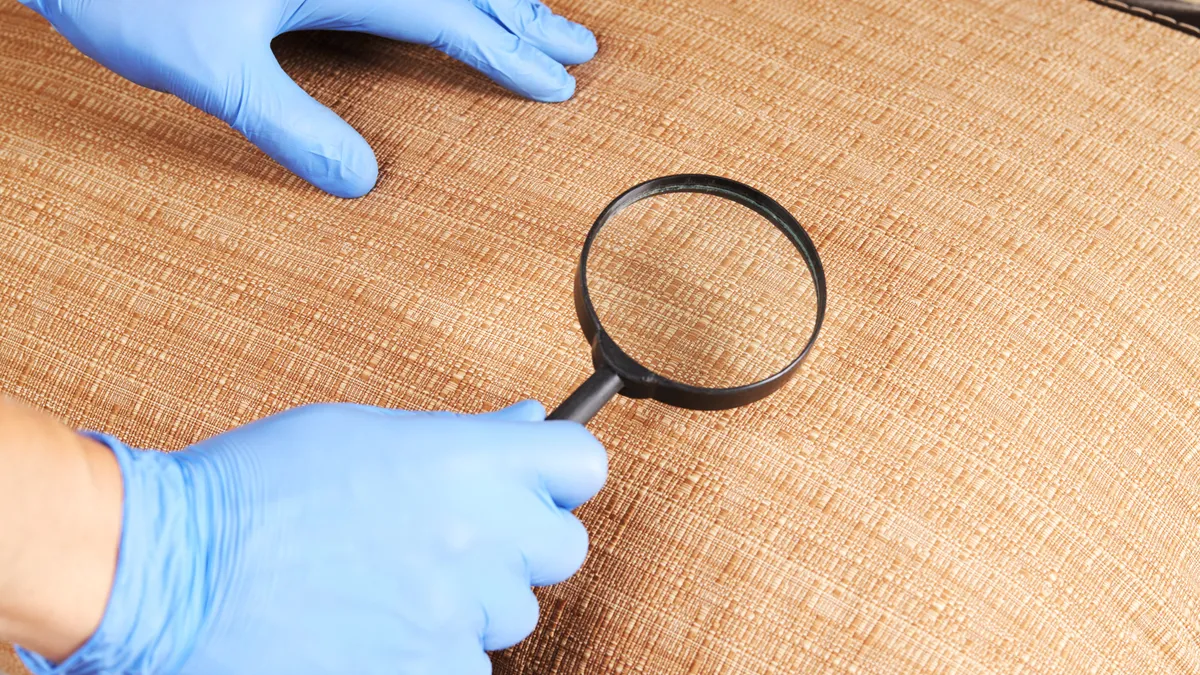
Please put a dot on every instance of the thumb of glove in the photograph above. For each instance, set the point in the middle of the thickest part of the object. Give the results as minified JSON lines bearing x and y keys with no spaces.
{"x":279,"y":117}
{"x":521,"y":411}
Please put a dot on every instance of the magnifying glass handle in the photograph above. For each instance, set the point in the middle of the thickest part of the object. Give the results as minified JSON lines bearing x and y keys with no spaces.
{"x":583,"y":404}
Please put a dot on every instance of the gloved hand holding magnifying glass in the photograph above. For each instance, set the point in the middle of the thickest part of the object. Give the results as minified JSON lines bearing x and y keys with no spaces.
{"x":340,"y":538}
{"x":344,"y":538}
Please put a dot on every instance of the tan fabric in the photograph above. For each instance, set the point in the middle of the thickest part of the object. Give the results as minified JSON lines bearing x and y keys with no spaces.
{"x":990,"y":462}
{"x":701,"y":289}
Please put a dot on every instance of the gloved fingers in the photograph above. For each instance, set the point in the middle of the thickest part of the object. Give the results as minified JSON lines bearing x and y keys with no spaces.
{"x":521,"y":411}
{"x":478,"y":41}
{"x":557,"y":549}
{"x":466,"y":656}
{"x":266,"y":106}
{"x":571,"y":464}
{"x":561,"y":39}
{"x":512,"y":612}
{"x":377,"y":410}
{"x":528,"y":410}
{"x":455,"y":27}
{"x":460,"y":653}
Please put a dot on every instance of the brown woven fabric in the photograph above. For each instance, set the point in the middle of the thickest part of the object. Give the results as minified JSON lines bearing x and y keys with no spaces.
{"x":990,"y":462}
{"x":701,"y":289}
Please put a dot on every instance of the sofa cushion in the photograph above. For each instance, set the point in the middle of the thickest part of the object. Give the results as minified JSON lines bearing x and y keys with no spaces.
{"x":990,"y":462}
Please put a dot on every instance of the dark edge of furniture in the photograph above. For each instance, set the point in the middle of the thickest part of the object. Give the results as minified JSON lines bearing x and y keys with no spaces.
{"x":1177,"y":14}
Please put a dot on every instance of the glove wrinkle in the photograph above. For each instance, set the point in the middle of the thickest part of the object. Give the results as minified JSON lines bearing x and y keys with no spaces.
{"x":337,"y":538}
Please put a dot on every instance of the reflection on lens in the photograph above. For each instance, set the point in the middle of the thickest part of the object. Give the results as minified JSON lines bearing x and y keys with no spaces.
{"x":701,"y":290}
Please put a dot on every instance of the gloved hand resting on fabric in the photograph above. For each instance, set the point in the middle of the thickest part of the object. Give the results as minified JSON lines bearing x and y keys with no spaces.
{"x":216,"y":55}
{"x":342,"y":539}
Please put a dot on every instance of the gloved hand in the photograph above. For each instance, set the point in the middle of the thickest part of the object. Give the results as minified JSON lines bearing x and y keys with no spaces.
{"x":216,"y":55}
{"x":342,"y":539}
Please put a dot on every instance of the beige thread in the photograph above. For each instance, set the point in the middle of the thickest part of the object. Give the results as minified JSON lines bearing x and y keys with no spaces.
{"x":1142,"y":11}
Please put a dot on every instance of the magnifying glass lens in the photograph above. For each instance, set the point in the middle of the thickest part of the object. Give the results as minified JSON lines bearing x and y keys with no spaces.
{"x":701,"y":290}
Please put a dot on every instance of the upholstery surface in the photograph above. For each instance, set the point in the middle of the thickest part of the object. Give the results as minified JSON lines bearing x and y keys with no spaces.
{"x":701,"y":289}
{"x":991,"y":461}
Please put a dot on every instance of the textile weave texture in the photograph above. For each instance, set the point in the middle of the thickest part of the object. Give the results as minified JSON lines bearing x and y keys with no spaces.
{"x":989,"y":463}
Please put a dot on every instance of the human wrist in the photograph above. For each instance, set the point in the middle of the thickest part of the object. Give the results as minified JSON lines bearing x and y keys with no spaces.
{"x":58,"y":553}
{"x":150,"y":616}
{"x":74,"y":609}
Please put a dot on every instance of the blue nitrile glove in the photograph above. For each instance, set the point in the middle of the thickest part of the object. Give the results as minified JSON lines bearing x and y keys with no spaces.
{"x":216,"y":55}
{"x":342,"y":539}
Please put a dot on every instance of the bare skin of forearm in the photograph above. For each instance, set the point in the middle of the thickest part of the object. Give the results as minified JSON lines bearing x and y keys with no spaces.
{"x":60,"y":527}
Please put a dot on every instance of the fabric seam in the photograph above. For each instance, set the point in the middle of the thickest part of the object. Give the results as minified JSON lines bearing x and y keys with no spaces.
{"x":1153,"y":16}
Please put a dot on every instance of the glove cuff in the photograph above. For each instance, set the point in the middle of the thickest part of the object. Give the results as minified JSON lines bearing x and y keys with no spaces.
{"x":156,"y":604}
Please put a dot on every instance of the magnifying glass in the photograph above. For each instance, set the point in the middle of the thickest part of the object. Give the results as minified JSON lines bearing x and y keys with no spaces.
{"x":697,"y":291}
